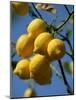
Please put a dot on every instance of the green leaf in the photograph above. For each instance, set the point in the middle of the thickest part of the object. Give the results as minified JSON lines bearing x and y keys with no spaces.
{"x":69,"y":33}
{"x":68,"y":67}
{"x":56,"y":72}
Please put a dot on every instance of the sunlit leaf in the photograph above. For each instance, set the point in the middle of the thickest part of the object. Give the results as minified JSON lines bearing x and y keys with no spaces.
{"x":71,"y":65}
{"x":46,"y":7}
{"x":68,"y":67}
{"x":71,"y":20}
{"x":56,"y":72}
{"x":39,"y":6}
{"x":51,"y":10}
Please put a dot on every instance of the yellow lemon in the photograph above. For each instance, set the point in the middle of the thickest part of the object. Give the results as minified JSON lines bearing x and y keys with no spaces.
{"x":56,"y":49}
{"x":40,"y":69}
{"x":22,"y":69}
{"x":21,"y":8}
{"x":24,"y":46}
{"x":29,"y":92}
{"x":36,"y":27}
{"x":41,"y":43}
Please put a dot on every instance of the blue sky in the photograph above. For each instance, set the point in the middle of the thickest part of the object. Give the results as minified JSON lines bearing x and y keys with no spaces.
{"x":18,"y":27}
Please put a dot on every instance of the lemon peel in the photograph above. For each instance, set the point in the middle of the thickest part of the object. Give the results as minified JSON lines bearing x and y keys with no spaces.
{"x":40,"y":69}
{"x":56,"y":49}
{"x":41,"y":43}
{"x":24,"y":46}
{"x":36,"y":27}
{"x":22,"y":69}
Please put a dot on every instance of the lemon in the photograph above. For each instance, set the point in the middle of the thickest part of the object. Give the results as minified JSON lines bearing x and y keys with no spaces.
{"x":22,"y":69}
{"x":41,"y":43}
{"x":36,"y":27}
{"x":24,"y":46}
{"x":29,"y":92}
{"x":40,"y":69}
{"x":56,"y":49}
{"x":21,"y":8}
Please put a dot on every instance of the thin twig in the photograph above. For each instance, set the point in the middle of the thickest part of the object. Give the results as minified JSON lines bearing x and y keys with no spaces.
{"x":67,"y":9}
{"x":58,"y":28}
{"x":70,"y":55}
{"x":69,"y":90}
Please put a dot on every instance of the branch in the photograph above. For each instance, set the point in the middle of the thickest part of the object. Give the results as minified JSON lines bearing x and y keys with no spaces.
{"x":69,"y":90}
{"x":58,"y":28}
{"x":67,"y":9}
{"x":37,"y":11}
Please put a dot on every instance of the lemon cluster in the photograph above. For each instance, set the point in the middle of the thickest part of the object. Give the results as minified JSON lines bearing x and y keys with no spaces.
{"x":46,"y":49}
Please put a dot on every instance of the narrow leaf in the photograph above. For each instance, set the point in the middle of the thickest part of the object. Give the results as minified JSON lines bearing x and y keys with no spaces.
{"x":69,"y":33}
{"x":68,"y":68}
